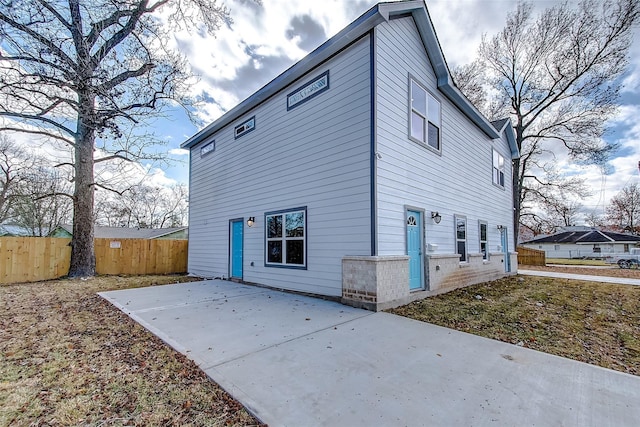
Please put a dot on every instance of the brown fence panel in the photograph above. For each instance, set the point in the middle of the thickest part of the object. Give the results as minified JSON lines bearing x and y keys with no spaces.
{"x":31,"y":259}
{"x":136,"y":256}
{"x":528,"y":256}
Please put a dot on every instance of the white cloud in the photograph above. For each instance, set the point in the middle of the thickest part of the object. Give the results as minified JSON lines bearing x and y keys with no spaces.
{"x":178,"y":152}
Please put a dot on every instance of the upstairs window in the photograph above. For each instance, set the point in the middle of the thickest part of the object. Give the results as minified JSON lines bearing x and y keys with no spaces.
{"x":209,"y":148}
{"x":425,"y":117}
{"x":245,"y":127}
{"x":498,"y":169}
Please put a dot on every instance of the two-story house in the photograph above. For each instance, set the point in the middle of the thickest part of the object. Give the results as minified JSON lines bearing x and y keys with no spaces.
{"x":361,"y":173}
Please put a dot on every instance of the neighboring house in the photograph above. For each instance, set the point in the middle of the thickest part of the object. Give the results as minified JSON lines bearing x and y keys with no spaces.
{"x":360,"y":172}
{"x":13,"y":230}
{"x":127,"y":233}
{"x":583,"y":242}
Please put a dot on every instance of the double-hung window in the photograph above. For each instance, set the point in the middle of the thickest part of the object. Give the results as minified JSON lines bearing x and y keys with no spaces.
{"x":425,"y":117}
{"x":461,"y":237}
{"x":483,"y":239}
{"x":498,"y":169}
{"x":286,"y":238}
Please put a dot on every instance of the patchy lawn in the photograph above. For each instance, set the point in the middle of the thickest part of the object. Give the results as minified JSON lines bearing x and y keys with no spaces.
{"x":609,"y":272}
{"x":67,"y":357}
{"x":566,"y":261}
{"x":592,"y":322}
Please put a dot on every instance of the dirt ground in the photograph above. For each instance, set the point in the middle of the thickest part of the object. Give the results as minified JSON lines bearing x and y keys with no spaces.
{"x":67,"y":357}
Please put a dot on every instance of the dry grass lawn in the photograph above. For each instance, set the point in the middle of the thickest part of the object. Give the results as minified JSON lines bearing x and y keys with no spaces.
{"x":67,"y":357}
{"x":592,"y":322}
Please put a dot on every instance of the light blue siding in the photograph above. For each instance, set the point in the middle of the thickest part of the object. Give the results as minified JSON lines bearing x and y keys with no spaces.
{"x":457,"y":181}
{"x":317,"y":155}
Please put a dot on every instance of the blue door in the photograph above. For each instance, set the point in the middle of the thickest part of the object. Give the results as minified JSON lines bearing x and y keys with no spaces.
{"x":414,"y":249}
{"x":235,"y":248}
{"x":504,"y":237}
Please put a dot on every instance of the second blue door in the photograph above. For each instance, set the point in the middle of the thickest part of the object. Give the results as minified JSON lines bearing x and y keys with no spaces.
{"x":414,"y":249}
{"x":235,"y":242}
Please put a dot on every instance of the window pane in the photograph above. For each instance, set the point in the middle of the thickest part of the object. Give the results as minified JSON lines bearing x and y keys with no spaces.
{"x":501,"y":179}
{"x":295,"y":252}
{"x":434,"y":136}
{"x":417,"y":126}
{"x":461,"y":229}
{"x":483,"y":249}
{"x":418,"y":99}
{"x":295,"y":224}
{"x":274,"y":226}
{"x":274,"y":252}
{"x":483,"y":232}
{"x":434,"y":111}
{"x":462,"y":250}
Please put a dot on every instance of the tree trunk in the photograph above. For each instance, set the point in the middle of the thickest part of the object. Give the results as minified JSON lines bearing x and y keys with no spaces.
{"x":83,"y":258}
{"x":517,"y":190}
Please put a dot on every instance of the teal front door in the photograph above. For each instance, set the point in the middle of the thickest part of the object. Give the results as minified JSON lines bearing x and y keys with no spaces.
{"x":414,"y":249}
{"x":504,"y":236}
{"x":235,"y":248}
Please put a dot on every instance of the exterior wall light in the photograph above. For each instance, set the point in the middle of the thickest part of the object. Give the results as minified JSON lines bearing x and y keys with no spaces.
{"x":501,"y":227}
{"x":436,"y":217}
{"x":251,"y":221}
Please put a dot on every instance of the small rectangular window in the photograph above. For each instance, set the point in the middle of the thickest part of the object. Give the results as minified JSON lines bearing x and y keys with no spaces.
{"x":209,"y":148}
{"x":285,"y":233}
{"x":461,"y":237}
{"x":596,"y":249}
{"x":483,"y":240}
{"x":244,"y":128}
{"x":498,"y":169}
{"x":424,"y":117}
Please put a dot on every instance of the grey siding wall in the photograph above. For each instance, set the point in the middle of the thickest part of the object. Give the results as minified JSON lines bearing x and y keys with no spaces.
{"x":459,"y":181}
{"x":316,"y":155}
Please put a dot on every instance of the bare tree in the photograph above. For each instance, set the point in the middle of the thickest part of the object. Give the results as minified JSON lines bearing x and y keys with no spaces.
{"x":43,"y":202}
{"x":146,"y":206}
{"x":624,"y":209}
{"x":557,"y":76}
{"x":81,"y":72}
{"x":15,"y":164}
{"x":552,"y":201}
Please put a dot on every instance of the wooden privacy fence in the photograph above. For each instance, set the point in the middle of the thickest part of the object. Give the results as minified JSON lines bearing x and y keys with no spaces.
{"x":31,"y":259}
{"x":528,"y":256}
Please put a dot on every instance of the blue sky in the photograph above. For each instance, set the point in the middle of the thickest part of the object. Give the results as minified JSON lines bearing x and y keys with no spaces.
{"x":264,"y":41}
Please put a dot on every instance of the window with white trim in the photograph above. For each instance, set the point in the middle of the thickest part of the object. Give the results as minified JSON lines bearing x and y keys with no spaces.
{"x":482,"y":232}
{"x":286,"y":238}
{"x":245,"y":127}
{"x":461,"y":237}
{"x":498,"y":169}
{"x":206,"y":149}
{"x":424,"y":121}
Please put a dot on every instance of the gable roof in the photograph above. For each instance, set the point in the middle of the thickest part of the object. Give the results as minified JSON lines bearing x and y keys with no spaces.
{"x":101,"y":232}
{"x":505,"y":126}
{"x":586,"y":237}
{"x":379,"y":13}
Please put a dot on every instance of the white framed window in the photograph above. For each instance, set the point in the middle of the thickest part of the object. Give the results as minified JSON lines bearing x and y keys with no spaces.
{"x":597,"y":249}
{"x":482,"y":233}
{"x":208,"y":148}
{"x":285,"y":238}
{"x":498,"y":169}
{"x":424,"y":117}
{"x":245,"y":127}
{"x":460,"y":223}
